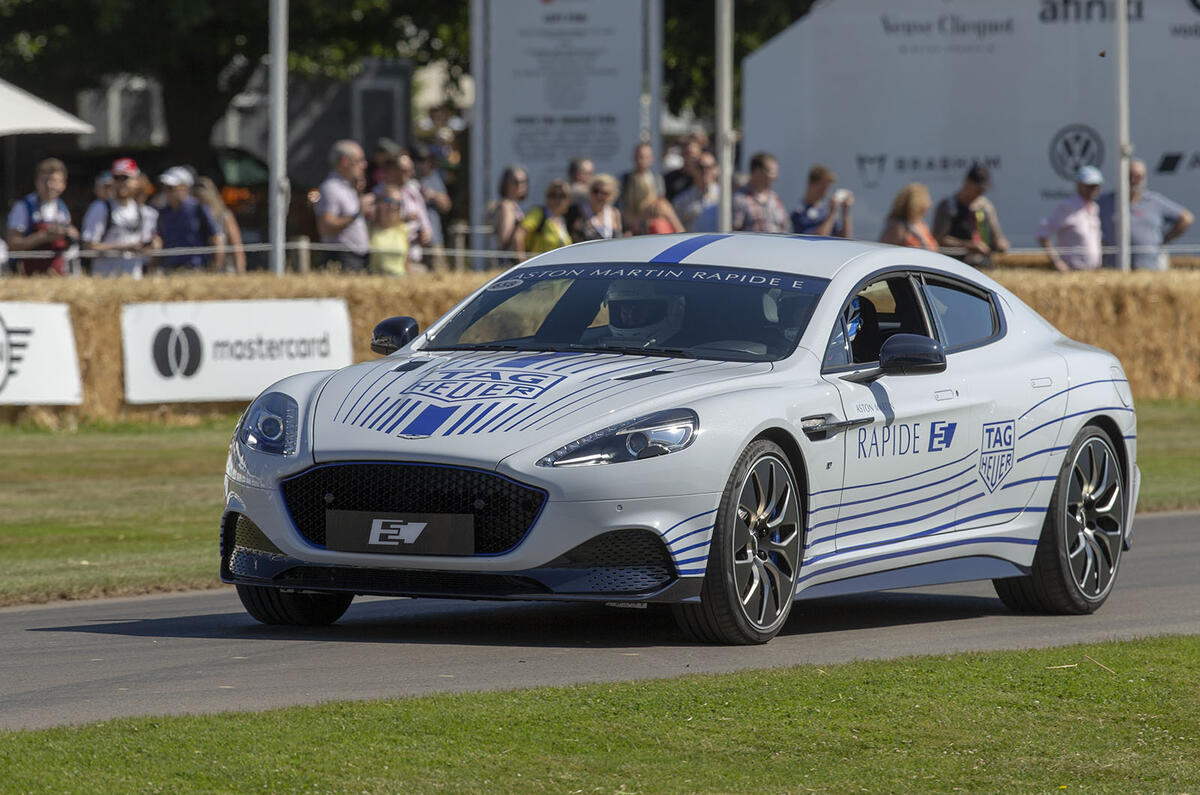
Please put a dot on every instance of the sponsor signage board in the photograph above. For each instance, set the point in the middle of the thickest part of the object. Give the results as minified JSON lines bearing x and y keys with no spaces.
{"x":38,"y":363}
{"x":187,"y":351}
{"x":925,"y":88}
{"x":558,"y":80}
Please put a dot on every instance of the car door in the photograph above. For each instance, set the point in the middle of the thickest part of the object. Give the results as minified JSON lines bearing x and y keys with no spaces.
{"x":1009,"y":392}
{"x":907,"y":464}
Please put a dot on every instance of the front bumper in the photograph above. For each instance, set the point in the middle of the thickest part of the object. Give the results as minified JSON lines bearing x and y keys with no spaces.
{"x":531,"y":547}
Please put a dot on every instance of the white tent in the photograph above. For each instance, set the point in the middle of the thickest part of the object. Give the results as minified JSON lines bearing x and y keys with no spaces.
{"x":22,"y":112}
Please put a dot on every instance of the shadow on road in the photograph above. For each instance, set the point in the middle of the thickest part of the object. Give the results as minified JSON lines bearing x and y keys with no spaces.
{"x":542,"y":625}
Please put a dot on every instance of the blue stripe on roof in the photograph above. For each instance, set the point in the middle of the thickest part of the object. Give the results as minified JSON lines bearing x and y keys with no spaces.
{"x":428,"y":420}
{"x":680,"y":251}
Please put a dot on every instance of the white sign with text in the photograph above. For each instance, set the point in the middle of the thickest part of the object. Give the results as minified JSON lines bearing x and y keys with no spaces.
{"x":228,"y":350}
{"x":38,"y":363}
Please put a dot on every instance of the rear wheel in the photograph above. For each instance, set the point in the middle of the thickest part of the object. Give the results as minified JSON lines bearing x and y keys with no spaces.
{"x":273,"y":606}
{"x":754,"y":557}
{"x":1079,"y":551}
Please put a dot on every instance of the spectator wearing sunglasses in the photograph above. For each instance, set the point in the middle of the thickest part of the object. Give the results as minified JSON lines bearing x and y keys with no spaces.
{"x":597,"y":218}
{"x":122,"y":227}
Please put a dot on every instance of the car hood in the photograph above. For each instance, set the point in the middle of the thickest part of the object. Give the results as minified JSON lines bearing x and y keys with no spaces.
{"x":480,"y":407}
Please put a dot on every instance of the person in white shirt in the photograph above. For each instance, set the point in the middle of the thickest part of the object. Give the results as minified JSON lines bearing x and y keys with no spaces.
{"x":121,"y":226}
{"x":1075,"y":226}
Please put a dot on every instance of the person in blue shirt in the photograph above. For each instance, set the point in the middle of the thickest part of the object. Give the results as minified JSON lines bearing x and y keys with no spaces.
{"x":815,"y":216}
{"x":1154,"y":220}
{"x":184,"y":222}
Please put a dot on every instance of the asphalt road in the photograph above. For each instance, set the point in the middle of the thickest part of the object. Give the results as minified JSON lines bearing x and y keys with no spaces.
{"x":199,"y":652}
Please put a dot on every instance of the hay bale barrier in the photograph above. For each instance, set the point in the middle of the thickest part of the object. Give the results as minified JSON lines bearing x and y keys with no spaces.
{"x":1150,"y":320}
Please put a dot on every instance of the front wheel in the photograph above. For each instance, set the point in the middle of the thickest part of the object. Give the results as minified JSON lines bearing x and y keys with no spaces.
{"x":273,"y":606}
{"x":1079,"y":550}
{"x":754,"y":557}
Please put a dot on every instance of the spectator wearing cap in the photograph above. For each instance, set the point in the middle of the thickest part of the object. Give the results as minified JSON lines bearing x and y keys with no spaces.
{"x":967,"y":221}
{"x":341,"y":210}
{"x":1074,"y":225}
{"x":186,"y":223}
{"x":121,"y":228}
{"x":1153,"y":221}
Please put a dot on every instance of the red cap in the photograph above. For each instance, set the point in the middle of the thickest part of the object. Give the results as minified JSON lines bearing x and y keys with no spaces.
{"x":126,"y":166}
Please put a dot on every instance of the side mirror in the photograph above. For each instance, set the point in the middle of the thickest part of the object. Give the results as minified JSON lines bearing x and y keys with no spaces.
{"x":911,"y":354}
{"x":393,"y":334}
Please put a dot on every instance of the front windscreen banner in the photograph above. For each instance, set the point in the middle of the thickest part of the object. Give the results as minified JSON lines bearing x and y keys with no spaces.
{"x":668,"y":273}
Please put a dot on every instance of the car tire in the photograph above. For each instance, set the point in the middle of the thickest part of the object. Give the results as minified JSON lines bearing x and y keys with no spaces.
{"x":273,"y":606}
{"x":755,"y":554}
{"x":1079,"y":550}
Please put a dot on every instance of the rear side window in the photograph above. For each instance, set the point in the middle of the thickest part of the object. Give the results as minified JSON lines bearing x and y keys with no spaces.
{"x":964,"y":317}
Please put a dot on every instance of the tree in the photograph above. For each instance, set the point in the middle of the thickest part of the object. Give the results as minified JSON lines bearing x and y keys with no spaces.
{"x":203,"y":52}
{"x":689,"y":46}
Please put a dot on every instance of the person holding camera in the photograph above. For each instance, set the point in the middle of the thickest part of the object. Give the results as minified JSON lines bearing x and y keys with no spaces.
{"x":814,"y":216}
{"x":42,"y":222}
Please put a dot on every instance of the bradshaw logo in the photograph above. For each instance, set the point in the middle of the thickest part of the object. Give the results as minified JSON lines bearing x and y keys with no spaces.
{"x":495,"y":382}
{"x":13,"y":342}
{"x":996,"y":455}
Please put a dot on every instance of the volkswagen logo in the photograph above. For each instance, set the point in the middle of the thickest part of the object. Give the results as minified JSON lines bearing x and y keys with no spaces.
{"x":1073,"y":147}
{"x":177,"y":351}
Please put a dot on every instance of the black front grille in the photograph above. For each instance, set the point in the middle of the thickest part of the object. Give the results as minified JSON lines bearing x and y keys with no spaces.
{"x":621,"y":561}
{"x":397,"y":582}
{"x":503,"y":509}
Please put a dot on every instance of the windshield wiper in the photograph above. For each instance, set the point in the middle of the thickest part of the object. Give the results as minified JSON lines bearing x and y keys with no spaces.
{"x":673,"y":353}
{"x":490,"y":346}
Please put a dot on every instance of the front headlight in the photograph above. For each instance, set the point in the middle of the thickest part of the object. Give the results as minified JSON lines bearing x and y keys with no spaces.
{"x":270,"y":424}
{"x":646,"y":437}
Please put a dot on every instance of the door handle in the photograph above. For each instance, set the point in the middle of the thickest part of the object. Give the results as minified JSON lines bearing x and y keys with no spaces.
{"x":822,"y":426}
{"x":945,"y":394}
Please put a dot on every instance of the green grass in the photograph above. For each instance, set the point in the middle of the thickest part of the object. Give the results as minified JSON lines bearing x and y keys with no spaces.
{"x":1112,"y":717}
{"x":1169,"y":454}
{"x":131,"y":508}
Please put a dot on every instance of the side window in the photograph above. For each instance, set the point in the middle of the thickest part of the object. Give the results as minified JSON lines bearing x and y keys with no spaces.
{"x":965,"y":316}
{"x":880,"y":309}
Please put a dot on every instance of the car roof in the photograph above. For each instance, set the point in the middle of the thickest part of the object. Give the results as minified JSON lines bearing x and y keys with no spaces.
{"x":808,"y":255}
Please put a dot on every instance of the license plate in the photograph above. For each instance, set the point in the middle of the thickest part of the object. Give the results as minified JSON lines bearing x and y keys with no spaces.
{"x":400,"y":534}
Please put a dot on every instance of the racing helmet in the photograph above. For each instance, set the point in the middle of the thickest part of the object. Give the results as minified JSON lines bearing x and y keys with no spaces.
{"x":642,"y":310}
{"x":853,"y":318}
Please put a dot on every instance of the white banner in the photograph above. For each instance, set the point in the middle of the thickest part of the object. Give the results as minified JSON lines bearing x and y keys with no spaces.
{"x":228,"y":350}
{"x":557,"y":79}
{"x":38,"y":365}
{"x":917,"y":90}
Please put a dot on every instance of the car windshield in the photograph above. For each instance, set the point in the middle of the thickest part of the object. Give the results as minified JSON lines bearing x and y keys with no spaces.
{"x":734,"y":314}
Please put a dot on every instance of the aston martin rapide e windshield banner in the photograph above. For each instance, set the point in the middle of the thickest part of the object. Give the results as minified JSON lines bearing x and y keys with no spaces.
{"x":228,"y":350}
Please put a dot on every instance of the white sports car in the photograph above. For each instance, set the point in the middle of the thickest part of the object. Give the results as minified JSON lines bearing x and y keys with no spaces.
{"x":725,"y":423}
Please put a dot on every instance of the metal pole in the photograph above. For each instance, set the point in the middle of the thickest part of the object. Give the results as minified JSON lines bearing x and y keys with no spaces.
{"x":280,"y":192}
{"x":724,"y":24}
{"x":1125,"y":147}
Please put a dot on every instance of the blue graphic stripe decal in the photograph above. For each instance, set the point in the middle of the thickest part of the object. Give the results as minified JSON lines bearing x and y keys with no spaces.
{"x":497,"y":417}
{"x":891,"y":508}
{"x":929,"y":532}
{"x":462,"y":419}
{"x":387,"y":416}
{"x":402,"y":417}
{"x":1075,"y":414}
{"x":1036,"y":453}
{"x":1130,"y":436}
{"x":514,"y":418}
{"x":478,"y":417}
{"x":1029,"y":480}
{"x":351,"y":392}
{"x":689,"y":549}
{"x":395,"y":378}
{"x":685,"y":521}
{"x":529,"y":362}
{"x":909,"y":552}
{"x":429,"y":420}
{"x":374,"y":411}
{"x":892,"y":494}
{"x":692,"y":533}
{"x":897,"y":480}
{"x":1077,"y":386}
{"x":907,"y":522}
{"x":678,"y":252}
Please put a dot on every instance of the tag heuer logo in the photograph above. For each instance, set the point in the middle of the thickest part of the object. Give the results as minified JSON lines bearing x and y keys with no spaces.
{"x":13,"y":342}
{"x":996,"y":453}
{"x":1073,"y":147}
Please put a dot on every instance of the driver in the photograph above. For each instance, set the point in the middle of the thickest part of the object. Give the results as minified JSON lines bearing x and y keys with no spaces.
{"x":642,"y":312}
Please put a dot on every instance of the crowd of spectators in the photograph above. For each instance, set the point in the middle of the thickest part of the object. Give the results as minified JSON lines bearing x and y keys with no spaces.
{"x":386,"y":215}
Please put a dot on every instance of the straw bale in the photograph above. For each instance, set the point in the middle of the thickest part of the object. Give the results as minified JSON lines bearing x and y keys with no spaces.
{"x":1150,"y":320}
